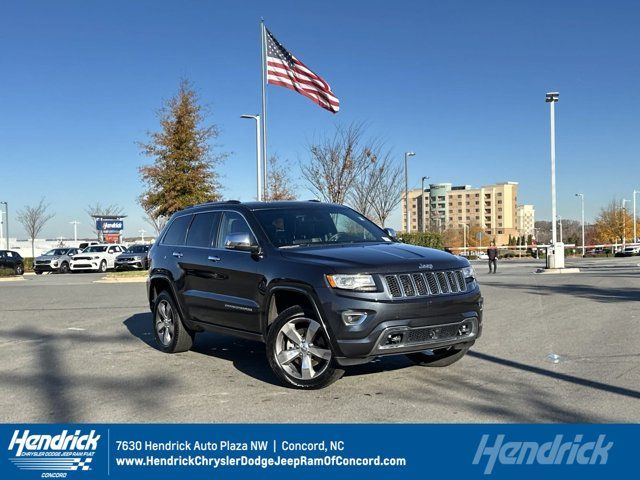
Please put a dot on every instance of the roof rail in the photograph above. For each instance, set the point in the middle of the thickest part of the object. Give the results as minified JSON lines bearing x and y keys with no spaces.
{"x":314,"y":200}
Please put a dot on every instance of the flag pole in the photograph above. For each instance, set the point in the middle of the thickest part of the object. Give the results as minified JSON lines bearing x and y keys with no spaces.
{"x":263,"y":117}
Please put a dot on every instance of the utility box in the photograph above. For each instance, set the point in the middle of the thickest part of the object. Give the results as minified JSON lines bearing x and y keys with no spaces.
{"x":555,"y":255}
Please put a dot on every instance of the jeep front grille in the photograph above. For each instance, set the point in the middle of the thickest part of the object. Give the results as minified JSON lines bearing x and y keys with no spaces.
{"x":423,"y":284}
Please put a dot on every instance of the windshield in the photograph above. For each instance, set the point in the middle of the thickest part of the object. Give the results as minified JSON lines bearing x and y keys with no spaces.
{"x":56,"y":251}
{"x":95,"y":248}
{"x":138,"y":249}
{"x":327,"y":225}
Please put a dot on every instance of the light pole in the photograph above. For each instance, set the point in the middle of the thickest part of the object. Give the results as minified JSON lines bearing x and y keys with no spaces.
{"x":1,"y":228}
{"x":75,"y":224}
{"x":422,"y":214}
{"x":406,"y":187}
{"x":560,"y":220}
{"x":635,"y":233}
{"x":581,"y":195}
{"x":142,"y":232}
{"x":6,"y":207}
{"x":624,"y":222}
{"x":464,"y":235}
{"x":556,"y":259}
{"x":259,"y":175}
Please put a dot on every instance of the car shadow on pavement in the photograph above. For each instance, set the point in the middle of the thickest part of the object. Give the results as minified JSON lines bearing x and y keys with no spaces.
{"x":589,"y":292}
{"x":247,"y":356}
{"x":59,"y":391}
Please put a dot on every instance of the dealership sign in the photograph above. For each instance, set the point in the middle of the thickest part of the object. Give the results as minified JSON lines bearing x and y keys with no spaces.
{"x":104,"y":225}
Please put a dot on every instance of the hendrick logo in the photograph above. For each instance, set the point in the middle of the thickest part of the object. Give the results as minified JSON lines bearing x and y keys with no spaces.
{"x":555,"y":452}
{"x":53,"y":453}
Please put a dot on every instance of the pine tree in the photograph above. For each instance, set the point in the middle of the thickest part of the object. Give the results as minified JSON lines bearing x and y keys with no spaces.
{"x":183,"y":170}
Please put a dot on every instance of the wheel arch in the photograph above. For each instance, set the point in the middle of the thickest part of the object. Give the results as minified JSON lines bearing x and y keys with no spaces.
{"x":282,"y":297}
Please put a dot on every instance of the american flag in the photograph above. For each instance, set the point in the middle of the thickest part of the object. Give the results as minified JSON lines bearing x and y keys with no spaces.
{"x":287,"y":71}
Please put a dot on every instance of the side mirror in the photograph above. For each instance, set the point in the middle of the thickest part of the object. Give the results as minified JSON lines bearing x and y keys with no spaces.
{"x":391,"y":233}
{"x":240,"y":241}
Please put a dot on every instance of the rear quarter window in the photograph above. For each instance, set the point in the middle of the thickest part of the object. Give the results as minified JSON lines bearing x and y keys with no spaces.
{"x":177,"y":231}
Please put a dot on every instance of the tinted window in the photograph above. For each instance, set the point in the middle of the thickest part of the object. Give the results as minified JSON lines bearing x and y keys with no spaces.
{"x":138,"y":249}
{"x":96,"y":249}
{"x":177,"y":231}
{"x":318,"y":225}
{"x":233,"y":222}
{"x":202,"y":229}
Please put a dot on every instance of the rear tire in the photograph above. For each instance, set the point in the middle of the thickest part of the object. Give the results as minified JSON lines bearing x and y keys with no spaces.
{"x":169,"y":330}
{"x":38,"y":272}
{"x":299,"y":351}
{"x":441,"y":357}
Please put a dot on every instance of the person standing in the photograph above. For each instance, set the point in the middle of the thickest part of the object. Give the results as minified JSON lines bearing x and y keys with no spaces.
{"x":492,"y":253}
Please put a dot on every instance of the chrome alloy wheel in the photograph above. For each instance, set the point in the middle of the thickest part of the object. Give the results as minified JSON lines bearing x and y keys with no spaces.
{"x":302,"y":348}
{"x":165,"y":327}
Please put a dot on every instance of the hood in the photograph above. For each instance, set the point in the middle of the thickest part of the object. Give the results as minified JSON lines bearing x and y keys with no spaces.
{"x":377,"y":258}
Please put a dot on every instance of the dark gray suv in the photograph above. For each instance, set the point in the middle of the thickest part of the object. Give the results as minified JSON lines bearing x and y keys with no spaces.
{"x":320,"y":284}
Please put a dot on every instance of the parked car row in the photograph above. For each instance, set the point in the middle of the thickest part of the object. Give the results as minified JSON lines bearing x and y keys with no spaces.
{"x":95,"y":257}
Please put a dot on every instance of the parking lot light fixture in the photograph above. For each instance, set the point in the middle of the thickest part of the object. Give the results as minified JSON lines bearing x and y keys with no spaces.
{"x":581,"y":195}
{"x":406,"y":188}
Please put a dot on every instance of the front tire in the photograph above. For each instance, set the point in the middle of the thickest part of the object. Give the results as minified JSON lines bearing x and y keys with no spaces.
{"x":299,"y":351}
{"x":103,"y":266}
{"x":19,"y":270}
{"x":64,"y":268}
{"x":440,"y":357}
{"x":169,"y":330}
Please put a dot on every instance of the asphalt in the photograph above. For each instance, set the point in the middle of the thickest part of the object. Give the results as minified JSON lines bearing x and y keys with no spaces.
{"x":556,"y":348}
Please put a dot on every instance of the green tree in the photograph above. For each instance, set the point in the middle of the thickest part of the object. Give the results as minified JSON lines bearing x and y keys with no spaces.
{"x":183,"y":172}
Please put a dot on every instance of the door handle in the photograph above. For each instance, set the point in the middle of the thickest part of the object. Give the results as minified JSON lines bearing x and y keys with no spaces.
{"x":177,"y":254}
{"x":213,"y":258}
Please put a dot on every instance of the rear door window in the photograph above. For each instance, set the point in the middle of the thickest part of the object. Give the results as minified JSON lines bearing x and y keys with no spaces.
{"x":177,"y":231}
{"x":203,"y":229}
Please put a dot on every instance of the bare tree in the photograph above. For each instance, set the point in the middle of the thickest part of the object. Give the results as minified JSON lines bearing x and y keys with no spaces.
{"x":106,"y":210}
{"x":33,"y":219}
{"x":279,"y":184}
{"x":157,"y":222}
{"x":336,"y":162}
{"x":387,"y":192}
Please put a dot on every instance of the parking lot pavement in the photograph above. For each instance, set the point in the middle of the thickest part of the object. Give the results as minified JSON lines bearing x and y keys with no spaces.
{"x":75,"y":351}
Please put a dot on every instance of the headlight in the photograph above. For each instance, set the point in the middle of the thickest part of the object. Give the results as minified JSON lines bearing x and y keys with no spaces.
{"x":358,"y":282}
{"x":469,"y":274}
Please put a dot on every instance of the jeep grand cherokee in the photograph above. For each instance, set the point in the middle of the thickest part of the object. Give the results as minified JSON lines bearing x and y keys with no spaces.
{"x":319,"y":284}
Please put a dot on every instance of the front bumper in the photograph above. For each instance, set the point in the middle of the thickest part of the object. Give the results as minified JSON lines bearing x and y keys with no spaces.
{"x":422,"y":323}
{"x":85,"y":265}
{"x":46,"y":267}
{"x":134,"y":263}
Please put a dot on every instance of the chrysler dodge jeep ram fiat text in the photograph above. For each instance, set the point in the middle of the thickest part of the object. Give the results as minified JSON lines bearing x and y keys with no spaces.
{"x":319,"y":284}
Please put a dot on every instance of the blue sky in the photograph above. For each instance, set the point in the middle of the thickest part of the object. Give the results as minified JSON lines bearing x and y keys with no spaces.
{"x":461,"y":83}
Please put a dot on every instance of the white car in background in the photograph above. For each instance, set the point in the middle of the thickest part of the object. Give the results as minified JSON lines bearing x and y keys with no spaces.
{"x":96,"y":258}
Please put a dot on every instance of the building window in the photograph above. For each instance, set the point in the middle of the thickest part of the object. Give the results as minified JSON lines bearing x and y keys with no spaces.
{"x":499,"y":232}
{"x":499,"y":217}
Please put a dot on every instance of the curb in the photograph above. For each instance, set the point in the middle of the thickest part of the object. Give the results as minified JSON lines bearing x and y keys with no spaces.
{"x":122,"y":280}
{"x":556,"y":271}
{"x":12,"y":279}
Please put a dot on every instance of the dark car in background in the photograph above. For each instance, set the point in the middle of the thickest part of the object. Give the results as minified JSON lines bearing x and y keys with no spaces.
{"x":323,"y":287}
{"x":11,"y":263}
{"x":55,"y":260}
{"x":136,"y":256}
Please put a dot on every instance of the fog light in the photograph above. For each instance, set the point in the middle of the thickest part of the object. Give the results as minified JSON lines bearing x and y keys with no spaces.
{"x":465,"y":329}
{"x":394,"y":339}
{"x":350,"y":317}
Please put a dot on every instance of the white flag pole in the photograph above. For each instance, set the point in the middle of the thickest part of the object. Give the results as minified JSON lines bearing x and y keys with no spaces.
{"x":263,"y":117}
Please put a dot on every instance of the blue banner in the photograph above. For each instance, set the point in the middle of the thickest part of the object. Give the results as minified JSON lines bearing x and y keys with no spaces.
{"x":316,"y":451}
